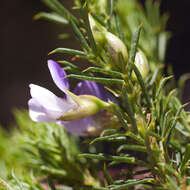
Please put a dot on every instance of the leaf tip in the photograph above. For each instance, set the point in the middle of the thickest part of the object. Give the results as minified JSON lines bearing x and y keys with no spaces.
{"x":51,"y":52}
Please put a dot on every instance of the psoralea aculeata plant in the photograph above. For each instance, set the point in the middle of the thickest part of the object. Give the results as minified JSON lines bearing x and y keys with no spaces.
{"x":77,"y":112}
{"x":130,"y":129}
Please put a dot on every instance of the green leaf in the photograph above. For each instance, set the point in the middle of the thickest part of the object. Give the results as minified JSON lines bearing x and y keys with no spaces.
{"x":69,"y":51}
{"x":53,"y":17}
{"x":109,"y":10}
{"x":107,"y":175}
{"x":136,"y":148}
{"x":80,"y":36}
{"x":132,"y":184}
{"x":53,"y":171}
{"x":96,"y":79}
{"x":108,"y":132}
{"x":162,"y":44}
{"x":110,"y":6}
{"x":169,"y":98}
{"x":121,"y":139}
{"x":169,"y":169}
{"x":83,"y":187}
{"x":120,"y":115}
{"x":70,"y":65}
{"x":185,"y":159}
{"x":119,"y":28}
{"x":51,"y":5}
{"x":172,"y":183}
{"x":132,"y":54}
{"x":137,"y":138}
{"x":114,"y":74}
{"x":161,"y":85}
{"x":100,"y":156}
{"x":140,"y":79}
{"x":154,"y":76}
{"x":164,"y":126}
{"x":174,"y":122}
{"x":59,"y":8}
{"x":84,"y":10}
{"x":107,"y":138}
{"x":153,"y":134}
{"x":98,"y":19}
{"x":129,"y":109}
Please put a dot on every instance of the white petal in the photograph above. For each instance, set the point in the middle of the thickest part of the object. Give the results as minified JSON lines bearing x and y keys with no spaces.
{"x":37,"y":112}
{"x":53,"y":105}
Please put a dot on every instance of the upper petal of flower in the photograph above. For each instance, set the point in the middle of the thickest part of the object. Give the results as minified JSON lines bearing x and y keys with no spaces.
{"x":54,"y":106}
{"x":58,"y":75}
{"x":92,"y":88}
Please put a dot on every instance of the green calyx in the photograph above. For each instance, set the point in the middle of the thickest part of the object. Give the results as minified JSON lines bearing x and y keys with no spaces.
{"x":87,"y":106}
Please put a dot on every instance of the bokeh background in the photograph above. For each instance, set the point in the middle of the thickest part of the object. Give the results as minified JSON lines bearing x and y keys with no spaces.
{"x":25,"y":43}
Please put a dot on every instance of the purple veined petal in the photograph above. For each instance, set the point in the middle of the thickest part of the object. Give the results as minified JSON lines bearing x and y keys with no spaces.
{"x":58,"y":75}
{"x":53,"y":106}
{"x":108,"y":96}
{"x":37,"y":113}
{"x":79,"y":127}
{"x":92,"y":88}
{"x":89,"y":88}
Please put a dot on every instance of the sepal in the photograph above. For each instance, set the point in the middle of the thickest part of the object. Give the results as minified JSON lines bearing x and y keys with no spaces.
{"x":87,"y":106}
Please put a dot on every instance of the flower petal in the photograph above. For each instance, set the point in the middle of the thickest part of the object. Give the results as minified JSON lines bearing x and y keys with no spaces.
{"x":58,"y":75}
{"x":79,"y":127}
{"x":37,"y":113}
{"x":53,"y":105}
{"x":92,"y":88}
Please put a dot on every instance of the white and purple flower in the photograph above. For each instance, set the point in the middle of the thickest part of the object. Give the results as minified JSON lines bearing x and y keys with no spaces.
{"x":80,"y":112}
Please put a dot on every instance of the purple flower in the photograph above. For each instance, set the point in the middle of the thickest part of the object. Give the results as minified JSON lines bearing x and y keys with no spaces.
{"x":79,"y":112}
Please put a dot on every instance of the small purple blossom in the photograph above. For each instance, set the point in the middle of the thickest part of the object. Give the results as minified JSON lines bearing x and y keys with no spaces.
{"x":44,"y":106}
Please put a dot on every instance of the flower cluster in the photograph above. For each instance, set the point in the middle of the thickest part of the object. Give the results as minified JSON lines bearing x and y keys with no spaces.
{"x":78,"y":112}
{"x":116,"y":47}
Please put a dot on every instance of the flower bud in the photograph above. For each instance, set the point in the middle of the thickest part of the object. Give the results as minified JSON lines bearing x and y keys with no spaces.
{"x":106,"y":39}
{"x":141,"y":63}
{"x":116,"y":46}
{"x":87,"y":106}
{"x":97,"y":31}
{"x":141,"y":125}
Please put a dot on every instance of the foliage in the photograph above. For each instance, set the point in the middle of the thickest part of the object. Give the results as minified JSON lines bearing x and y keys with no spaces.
{"x":149,"y":150}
